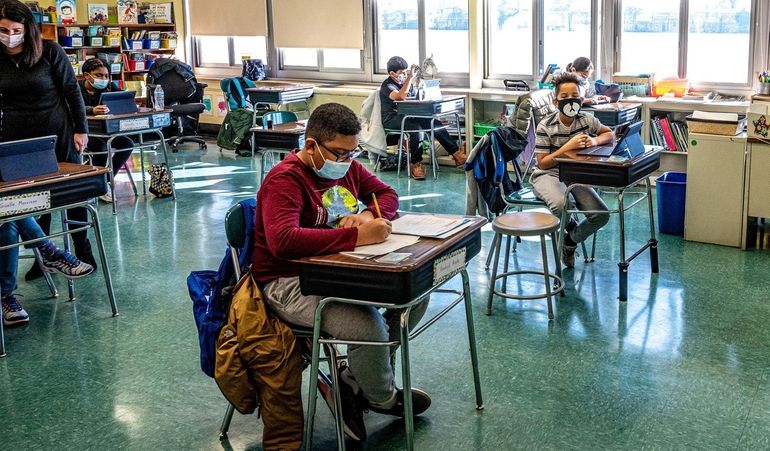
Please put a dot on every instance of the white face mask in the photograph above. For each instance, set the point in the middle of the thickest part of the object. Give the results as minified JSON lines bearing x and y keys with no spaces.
{"x":401,"y":78}
{"x":11,"y":40}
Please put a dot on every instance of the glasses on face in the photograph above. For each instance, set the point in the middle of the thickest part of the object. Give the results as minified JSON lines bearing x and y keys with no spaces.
{"x":346,"y":156}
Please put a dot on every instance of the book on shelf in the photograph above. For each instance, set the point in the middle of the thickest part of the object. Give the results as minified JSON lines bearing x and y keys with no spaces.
{"x":128,"y":12}
{"x":162,"y":12}
{"x":97,"y":13}
{"x":66,"y":11}
{"x":668,"y":134}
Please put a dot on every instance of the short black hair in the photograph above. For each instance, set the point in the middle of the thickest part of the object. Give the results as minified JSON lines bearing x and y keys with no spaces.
{"x":92,"y":64}
{"x":330,"y":120}
{"x":396,"y":63}
{"x":563,"y":78}
{"x":581,"y":64}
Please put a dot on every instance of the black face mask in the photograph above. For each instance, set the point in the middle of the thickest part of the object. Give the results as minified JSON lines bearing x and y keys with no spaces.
{"x":570,"y":107}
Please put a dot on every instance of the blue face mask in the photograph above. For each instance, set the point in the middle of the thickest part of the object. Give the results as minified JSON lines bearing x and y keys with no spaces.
{"x":331,"y":170}
{"x":100,"y":84}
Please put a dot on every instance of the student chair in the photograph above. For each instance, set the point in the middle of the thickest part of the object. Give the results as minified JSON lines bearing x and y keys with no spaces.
{"x":183,"y":95}
{"x":277,"y":118}
{"x":403,"y":134}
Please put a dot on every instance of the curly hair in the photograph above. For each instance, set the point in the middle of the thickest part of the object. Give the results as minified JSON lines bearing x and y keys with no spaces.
{"x":330,"y":120}
{"x":92,"y":64}
{"x":563,"y":78}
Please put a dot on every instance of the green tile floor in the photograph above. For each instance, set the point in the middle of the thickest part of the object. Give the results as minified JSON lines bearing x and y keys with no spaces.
{"x":684,"y":364}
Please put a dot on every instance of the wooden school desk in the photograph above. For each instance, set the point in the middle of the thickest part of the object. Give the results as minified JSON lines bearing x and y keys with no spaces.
{"x":73,"y":186}
{"x":146,"y":121}
{"x":436,"y":111}
{"x":280,"y":139}
{"x":396,"y":286}
{"x":620,"y":176}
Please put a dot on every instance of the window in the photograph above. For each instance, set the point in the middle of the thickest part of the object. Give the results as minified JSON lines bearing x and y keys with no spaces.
{"x":650,"y":37}
{"x":397,"y":32}
{"x":342,"y":58}
{"x":300,"y":57}
{"x":567,"y":21}
{"x":224,"y":51}
{"x":509,"y":40}
{"x":322,"y":59}
{"x":718,"y":40}
{"x":446,"y":37}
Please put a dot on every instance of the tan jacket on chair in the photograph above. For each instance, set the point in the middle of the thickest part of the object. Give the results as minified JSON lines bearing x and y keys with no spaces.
{"x":257,"y":364}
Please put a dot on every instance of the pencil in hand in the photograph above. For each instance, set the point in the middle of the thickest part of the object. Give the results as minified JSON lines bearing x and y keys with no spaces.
{"x":376,"y":206}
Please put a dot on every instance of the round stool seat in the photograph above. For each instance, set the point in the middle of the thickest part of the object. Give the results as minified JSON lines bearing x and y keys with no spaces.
{"x":525,"y":223}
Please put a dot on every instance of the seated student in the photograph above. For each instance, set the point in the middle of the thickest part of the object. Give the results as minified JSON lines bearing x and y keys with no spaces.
{"x":54,"y":260}
{"x":398,"y":86}
{"x":584,"y":68}
{"x":309,"y":205}
{"x":96,"y":80}
{"x":562,"y":134}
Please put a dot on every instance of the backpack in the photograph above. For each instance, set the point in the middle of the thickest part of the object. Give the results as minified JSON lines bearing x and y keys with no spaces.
{"x":489,"y":170}
{"x":611,"y":90}
{"x":254,"y":69}
{"x":161,"y":180}
{"x":390,"y":163}
{"x":234,"y":132}
{"x":235,"y":92}
{"x":211,"y":292}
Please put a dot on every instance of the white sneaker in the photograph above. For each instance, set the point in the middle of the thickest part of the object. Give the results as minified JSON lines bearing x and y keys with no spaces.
{"x":106,"y":198}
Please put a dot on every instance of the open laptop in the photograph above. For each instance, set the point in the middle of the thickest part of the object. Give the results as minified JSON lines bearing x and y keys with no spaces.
{"x":28,"y":158}
{"x":119,"y":102}
{"x":629,"y":143}
{"x":430,"y":90}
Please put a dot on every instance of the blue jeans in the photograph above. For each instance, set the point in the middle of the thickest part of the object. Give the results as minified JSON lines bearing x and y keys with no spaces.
{"x":27,"y":229}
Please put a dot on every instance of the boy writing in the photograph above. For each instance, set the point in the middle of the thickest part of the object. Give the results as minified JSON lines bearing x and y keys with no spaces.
{"x":308,"y":205}
{"x":562,"y":134}
{"x":398,"y":86}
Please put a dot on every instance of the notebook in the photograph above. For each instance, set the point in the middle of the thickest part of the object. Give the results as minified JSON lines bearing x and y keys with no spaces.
{"x":27,"y":158}
{"x":119,"y":102}
{"x":630,"y":143}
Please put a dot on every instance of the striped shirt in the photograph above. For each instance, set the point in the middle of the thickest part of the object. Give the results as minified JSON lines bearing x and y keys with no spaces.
{"x":552,"y":134}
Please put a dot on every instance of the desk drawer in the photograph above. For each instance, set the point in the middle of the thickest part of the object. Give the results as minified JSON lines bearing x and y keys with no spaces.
{"x":71,"y":191}
{"x":367,"y":285}
{"x":287,"y":141}
{"x":127,"y":124}
{"x":612,"y":118}
{"x":609,"y":175}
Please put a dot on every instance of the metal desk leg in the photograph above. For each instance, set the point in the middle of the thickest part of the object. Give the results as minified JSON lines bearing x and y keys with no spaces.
{"x":653,"y":239}
{"x":407,"y":380}
{"x":312,"y":389}
{"x":336,"y":384}
{"x":226,"y":422}
{"x":2,"y":341}
{"x":472,"y":338}
{"x":623,"y":265}
{"x":66,"y":237}
{"x":432,"y":148}
{"x":130,"y":179}
{"x":46,"y":274}
{"x":557,"y":262}
{"x":165,"y":158}
{"x":141,"y":163}
{"x":111,"y":174}
{"x":103,"y":258}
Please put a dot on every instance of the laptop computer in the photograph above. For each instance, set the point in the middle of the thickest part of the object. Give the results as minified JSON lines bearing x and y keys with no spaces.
{"x":119,"y":102}
{"x":27,"y":158}
{"x":429,"y":90}
{"x":629,"y":143}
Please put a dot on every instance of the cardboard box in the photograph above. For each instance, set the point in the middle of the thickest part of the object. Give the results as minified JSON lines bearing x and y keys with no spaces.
{"x":715,"y":127}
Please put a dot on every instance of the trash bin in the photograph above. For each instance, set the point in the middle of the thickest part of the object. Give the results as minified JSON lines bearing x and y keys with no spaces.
{"x":671,"y":188}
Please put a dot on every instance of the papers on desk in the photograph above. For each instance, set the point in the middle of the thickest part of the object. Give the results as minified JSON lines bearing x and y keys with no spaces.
{"x":393,"y":243}
{"x":429,"y":226}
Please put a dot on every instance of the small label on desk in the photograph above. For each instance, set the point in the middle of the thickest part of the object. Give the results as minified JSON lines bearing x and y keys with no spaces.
{"x":137,"y":123}
{"x":24,"y":203}
{"x":448,"y":265}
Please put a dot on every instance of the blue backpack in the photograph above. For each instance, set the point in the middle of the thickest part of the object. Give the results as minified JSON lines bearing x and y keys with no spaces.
{"x":211,"y":291}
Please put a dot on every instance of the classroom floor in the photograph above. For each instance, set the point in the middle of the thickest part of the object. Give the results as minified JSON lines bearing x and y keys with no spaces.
{"x":682,"y":364}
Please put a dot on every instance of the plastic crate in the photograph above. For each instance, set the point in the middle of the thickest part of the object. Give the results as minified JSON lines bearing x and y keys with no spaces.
{"x":671,"y":192}
{"x":482,"y":128}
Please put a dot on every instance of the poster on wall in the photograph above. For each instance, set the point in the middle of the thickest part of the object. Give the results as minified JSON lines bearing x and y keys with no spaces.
{"x":207,"y":105}
{"x":97,"y":13}
{"x":128,"y":12}
{"x":66,"y":10}
{"x":221,"y":106}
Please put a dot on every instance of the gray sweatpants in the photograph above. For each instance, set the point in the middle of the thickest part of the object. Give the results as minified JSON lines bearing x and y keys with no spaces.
{"x":370,"y":365}
{"x":547,"y":186}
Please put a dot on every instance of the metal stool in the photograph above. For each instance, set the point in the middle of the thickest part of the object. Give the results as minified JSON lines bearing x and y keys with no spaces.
{"x":526,"y":223}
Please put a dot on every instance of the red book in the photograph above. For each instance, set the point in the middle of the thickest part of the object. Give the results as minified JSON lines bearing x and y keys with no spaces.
{"x":668,"y":134}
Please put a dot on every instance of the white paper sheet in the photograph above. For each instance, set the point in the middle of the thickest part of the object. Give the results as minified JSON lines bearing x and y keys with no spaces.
{"x":432,"y":226}
{"x":393,"y":243}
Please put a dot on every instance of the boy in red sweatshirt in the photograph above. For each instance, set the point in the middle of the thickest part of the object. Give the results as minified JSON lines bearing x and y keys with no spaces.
{"x":309,"y":205}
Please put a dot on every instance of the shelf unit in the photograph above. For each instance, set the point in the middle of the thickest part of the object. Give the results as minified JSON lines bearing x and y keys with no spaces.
{"x":140,"y":75}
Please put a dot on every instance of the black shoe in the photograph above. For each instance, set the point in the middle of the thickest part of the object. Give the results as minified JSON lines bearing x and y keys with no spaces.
{"x":34,"y":272}
{"x":86,"y":255}
{"x":420,"y":403}
{"x":352,"y":407}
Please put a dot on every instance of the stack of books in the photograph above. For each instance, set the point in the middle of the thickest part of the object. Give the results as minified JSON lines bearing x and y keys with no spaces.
{"x":669,"y":134}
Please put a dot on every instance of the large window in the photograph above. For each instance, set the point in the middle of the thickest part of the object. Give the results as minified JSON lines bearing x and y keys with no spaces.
{"x":650,"y":37}
{"x":714,"y":47}
{"x":417,"y":29}
{"x":322,"y":59}
{"x":224,"y":51}
{"x":566,"y":31}
{"x":510,"y":31}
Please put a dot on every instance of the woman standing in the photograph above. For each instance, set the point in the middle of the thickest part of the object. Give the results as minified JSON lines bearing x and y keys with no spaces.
{"x":39,"y":96}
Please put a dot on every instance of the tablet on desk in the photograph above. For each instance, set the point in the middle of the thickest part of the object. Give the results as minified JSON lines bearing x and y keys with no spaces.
{"x":119,"y":102}
{"x":629,"y":145}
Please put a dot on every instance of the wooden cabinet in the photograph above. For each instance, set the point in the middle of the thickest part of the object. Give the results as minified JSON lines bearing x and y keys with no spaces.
{"x":758,"y":187}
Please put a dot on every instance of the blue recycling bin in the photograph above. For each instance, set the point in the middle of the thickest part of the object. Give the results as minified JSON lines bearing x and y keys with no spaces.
{"x":671,"y":191}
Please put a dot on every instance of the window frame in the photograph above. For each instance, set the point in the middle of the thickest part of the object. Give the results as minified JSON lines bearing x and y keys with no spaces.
{"x":756,"y":27}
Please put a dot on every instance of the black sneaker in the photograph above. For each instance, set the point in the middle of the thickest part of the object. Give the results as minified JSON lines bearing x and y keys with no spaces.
{"x":568,"y":256}
{"x":420,"y":403}
{"x":352,"y":406}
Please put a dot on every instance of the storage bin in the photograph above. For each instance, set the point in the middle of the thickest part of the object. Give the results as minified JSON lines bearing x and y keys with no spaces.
{"x":71,"y":41}
{"x":711,"y":127}
{"x":112,"y":41}
{"x":134,"y":65}
{"x":134,"y":44}
{"x":670,"y":188}
{"x":678,"y":87}
{"x":95,"y":41}
{"x":116,"y":68}
{"x":168,"y":43}
{"x":152,"y":44}
{"x":482,"y":128}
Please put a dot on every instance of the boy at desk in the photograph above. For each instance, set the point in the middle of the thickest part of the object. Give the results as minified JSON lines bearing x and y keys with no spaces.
{"x":562,"y":134}
{"x":308,"y":205}
{"x":95,"y":82}
{"x":398,"y":86}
